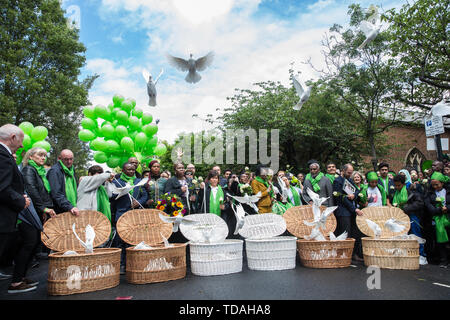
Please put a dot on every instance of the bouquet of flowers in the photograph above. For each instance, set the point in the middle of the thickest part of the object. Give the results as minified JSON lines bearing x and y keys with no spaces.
{"x":195,"y":183}
{"x":439,"y":202}
{"x":171,"y":204}
{"x":246,"y":189}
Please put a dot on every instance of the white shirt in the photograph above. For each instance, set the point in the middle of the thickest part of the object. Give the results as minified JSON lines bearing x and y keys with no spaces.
{"x":9,"y":150}
{"x":375,"y":194}
{"x":214,"y":191}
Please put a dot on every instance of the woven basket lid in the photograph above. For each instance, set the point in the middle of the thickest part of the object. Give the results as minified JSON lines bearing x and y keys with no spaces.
{"x":380,"y":215}
{"x":139,"y":225}
{"x":260,"y":226}
{"x":296,"y":215}
{"x":209,"y":226}
{"x":60,"y":234}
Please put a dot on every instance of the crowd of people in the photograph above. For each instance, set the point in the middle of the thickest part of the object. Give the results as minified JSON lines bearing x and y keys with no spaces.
{"x":50,"y":191}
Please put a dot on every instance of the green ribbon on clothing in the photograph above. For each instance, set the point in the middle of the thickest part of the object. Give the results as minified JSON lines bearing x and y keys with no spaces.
{"x":296,"y":196}
{"x":71,"y":184}
{"x":315,"y":181}
{"x":331,"y":177}
{"x":129,"y":180}
{"x":214,"y":202}
{"x":103,"y":204}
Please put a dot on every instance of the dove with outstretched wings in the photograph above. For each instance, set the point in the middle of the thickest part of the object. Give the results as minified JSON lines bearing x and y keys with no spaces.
{"x":371,"y":27}
{"x":191,"y":65}
{"x":303,"y":91}
{"x":151,"y":86}
{"x":179,"y":219}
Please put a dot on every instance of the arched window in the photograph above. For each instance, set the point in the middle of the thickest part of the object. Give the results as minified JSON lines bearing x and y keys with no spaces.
{"x":414,"y":159}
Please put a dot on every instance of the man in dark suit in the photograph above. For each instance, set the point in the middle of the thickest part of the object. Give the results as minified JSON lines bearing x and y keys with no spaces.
{"x":63,"y":184}
{"x":347,"y":210}
{"x":12,"y":189}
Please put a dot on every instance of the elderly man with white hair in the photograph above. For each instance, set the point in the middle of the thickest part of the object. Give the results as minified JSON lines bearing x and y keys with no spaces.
{"x":63,"y":184}
{"x":12,"y":191}
{"x":317,"y":182}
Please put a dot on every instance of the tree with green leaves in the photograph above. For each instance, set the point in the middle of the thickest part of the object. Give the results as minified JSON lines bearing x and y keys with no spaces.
{"x":40,"y":62}
{"x":419,"y":38}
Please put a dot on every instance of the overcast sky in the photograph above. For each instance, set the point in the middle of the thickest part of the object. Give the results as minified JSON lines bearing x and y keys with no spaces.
{"x":253,"y":41}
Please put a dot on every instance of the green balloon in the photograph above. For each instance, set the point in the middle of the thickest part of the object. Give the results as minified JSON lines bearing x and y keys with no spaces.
{"x":122,"y":117}
{"x":133,"y":134}
{"x":133,"y":102}
{"x":88,"y":123}
{"x":140,"y":139}
{"x":114,"y":112}
{"x":160,"y":149}
{"x":127,"y":144}
{"x":117,"y":99}
{"x":138,"y":112}
{"x":112,"y":146}
{"x":99,"y":144}
{"x":26,"y":141}
{"x":113,"y":162}
{"x":86,"y":135}
{"x":121,"y":131}
{"x":111,"y":107}
{"x":26,"y":127}
{"x":150,"y":129}
{"x":127,"y":106}
{"x":146,"y":118}
{"x":102,"y":111}
{"x":91,"y":146}
{"x":42,"y":144}
{"x":100,"y":157}
{"x":104,"y":123}
{"x":89,"y":112}
{"x":39,"y":133}
{"x":134,"y":122}
{"x":107,"y":131}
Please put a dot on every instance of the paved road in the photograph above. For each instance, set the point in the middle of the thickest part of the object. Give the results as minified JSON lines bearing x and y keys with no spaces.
{"x":296,"y":284}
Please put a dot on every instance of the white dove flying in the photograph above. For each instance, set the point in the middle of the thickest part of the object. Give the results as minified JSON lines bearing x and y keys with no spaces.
{"x":121,"y":191}
{"x":303,"y":91}
{"x":320,"y":218}
{"x":371,"y":27}
{"x":375,"y":228}
{"x":191,"y":65}
{"x":151,"y":86}
{"x":250,"y":200}
{"x":315,"y":198}
{"x":315,"y":235}
{"x":395,"y":225}
{"x":177,"y":221}
{"x":240,"y":215}
{"x":90,"y":236}
{"x":343,"y":236}
{"x":441,"y":109}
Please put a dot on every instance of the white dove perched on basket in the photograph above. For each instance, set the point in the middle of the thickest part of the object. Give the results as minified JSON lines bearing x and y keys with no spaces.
{"x":191,"y":65}
{"x":303,"y":91}
{"x":177,"y":221}
{"x":371,"y":27}
{"x":375,"y":228}
{"x":250,"y":200}
{"x":395,"y":226}
{"x":90,"y":236}
{"x":151,"y":86}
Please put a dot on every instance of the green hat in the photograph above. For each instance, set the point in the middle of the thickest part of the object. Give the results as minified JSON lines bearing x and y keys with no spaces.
{"x":439,"y":177}
{"x":372,"y":176}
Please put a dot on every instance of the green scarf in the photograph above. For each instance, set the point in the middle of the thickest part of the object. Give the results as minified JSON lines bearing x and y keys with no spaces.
{"x":264,"y":182}
{"x":331,"y":177}
{"x":103,"y":202}
{"x":441,"y":223}
{"x":129,"y":180}
{"x":296,"y":196}
{"x":400,"y":197}
{"x":315,"y":181}
{"x":214,"y":202}
{"x":41,"y":172}
{"x":280,"y":208}
{"x":71,"y":184}
{"x":385,"y":183}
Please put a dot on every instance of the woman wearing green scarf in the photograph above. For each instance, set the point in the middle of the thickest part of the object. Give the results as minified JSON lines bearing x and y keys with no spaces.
{"x":36,"y":183}
{"x":436,"y":203}
{"x":412,"y":204}
{"x":293,"y":193}
{"x":94,"y":191}
{"x":211,"y":195}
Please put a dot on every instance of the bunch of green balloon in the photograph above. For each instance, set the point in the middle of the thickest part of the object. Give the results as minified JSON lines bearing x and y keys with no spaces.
{"x":120,"y":131}
{"x":33,"y":137}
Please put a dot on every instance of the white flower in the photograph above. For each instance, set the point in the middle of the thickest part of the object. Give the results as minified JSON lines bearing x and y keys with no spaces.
{"x":335,"y":194}
{"x":392,"y":187}
{"x":194,"y":181}
{"x":394,"y":204}
{"x":425,"y":180}
{"x":246,"y":168}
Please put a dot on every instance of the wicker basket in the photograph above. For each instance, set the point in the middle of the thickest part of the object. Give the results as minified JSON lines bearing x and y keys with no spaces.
{"x":211,"y":259}
{"x":262,"y":226}
{"x":318,"y":254}
{"x":71,"y":274}
{"x":159,"y":264}
{"x":276,"y":253}
{"x":385,"y":252}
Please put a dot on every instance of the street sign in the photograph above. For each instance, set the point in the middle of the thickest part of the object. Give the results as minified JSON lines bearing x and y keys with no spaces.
{"x":433,"y":126}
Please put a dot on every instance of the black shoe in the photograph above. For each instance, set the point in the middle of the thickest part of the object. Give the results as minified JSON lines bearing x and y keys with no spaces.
{"x":357,"y":258}
{"x":22,"y":287}
{"x":30,"y":282}
{"x":443,"y":264}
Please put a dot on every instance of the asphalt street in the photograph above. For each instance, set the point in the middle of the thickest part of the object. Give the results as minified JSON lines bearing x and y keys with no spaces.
{"x":428,"y":283}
